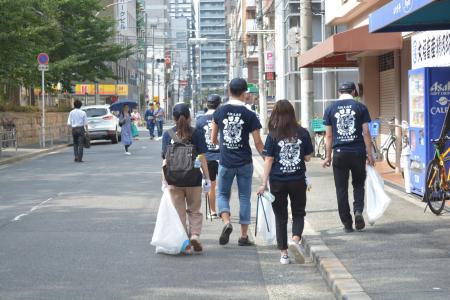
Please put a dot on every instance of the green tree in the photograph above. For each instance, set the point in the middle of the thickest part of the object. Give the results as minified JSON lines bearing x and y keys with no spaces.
{"x":78,"y":42}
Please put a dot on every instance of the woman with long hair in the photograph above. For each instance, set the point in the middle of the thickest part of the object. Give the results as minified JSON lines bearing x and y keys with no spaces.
{"x":125,"y":133}
{"x":186,"y":196}
{"x":287,"y":147}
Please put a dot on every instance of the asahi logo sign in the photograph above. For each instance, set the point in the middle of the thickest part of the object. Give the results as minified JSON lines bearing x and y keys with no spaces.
{"x":430,"y":49}
{"x":441,"y":93}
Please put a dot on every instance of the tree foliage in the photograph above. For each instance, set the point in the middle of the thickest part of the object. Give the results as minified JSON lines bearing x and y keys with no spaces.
{"x":79,"y":43}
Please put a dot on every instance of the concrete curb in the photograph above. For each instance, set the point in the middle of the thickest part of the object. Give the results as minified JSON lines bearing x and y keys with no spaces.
{"x":18,"y":158}
{"x":338,"y":279}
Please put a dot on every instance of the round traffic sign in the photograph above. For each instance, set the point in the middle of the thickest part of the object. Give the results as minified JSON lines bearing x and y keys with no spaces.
{"x":43,"y":59}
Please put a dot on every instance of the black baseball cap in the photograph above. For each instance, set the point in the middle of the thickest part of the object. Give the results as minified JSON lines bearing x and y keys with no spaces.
{"x":347,"y":86}
{"x":181,"y":109}
{"x":238,"y":86}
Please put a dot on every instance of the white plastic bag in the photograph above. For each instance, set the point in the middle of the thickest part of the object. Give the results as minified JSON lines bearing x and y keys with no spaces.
{"x":377,"y":199}
{"x":169,"y":236}
{"x":266,"y":229}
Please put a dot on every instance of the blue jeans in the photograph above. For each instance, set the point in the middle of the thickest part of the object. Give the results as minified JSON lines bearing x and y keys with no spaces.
{"x":225,"y":179}
{"x":151,"y":128}
{"x":159,"y":126}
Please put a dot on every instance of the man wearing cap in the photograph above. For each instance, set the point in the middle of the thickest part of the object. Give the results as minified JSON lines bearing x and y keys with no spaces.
{"x":348,"y":136}
{"x":204,"y":123}
{"x":236,"y":123}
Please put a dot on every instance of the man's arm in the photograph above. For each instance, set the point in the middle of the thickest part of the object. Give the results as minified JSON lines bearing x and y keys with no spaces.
{"x":258,"y":142}
{"x":368,"y":143}
{"x":214,"y":133}
{"x":328,"y":145}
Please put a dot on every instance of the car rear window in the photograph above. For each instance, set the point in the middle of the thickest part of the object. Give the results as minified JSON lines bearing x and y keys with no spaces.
{"x":95,"y":112}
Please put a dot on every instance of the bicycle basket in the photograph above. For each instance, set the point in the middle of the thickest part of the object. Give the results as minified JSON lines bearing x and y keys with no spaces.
{"x":317,"y":125}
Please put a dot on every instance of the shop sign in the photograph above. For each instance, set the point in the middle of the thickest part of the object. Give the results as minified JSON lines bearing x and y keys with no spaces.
{"x":269,"y":61}
{"x":122,"y":89}
{"x":122,"y":15}
{"x":430,"y":49}
{"x":83,"y":89}
{"x":107,"y":89}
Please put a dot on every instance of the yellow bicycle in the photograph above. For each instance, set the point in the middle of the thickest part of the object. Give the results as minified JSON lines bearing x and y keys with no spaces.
{"x":437,"y":184}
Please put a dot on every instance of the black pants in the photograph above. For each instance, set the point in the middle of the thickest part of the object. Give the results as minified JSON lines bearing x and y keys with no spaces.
{"x":296,"y":190}
{"x":78,"y":142}
{"x":343,"y":163}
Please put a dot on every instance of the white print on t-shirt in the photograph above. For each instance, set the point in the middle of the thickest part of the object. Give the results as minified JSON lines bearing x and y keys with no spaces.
{"x":208,"y":130}
{"x":290,"y":156}
{"x":345,"y":123}
{"x":232,"y":131}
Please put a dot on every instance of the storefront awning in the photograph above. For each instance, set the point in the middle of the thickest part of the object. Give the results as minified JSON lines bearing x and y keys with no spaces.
{"x":411,"y":15}
{"x":342,"y":49}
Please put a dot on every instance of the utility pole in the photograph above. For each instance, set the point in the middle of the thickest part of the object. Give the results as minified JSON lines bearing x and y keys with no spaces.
{"x":159,"y":99}
{"x":153,"y":63}
{"x":262,"y":89}
{"x":145,"y":59}
{"x":306,"y":74}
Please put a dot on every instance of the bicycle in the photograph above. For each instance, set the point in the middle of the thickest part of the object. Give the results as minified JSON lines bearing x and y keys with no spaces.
{"x":437,"y":181}
{"x":319,"y":138}
{"x":389,"y":147}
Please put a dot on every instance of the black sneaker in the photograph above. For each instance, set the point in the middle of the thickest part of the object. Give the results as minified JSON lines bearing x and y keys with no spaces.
{"x":244,"y":241}
{"x":348,"y":229}
{"x":359,"y":221}
{"x":225,"y":236}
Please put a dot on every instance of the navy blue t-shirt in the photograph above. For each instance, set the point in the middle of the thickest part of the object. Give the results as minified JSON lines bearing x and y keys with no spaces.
{"x":198,"y":140}
{"x":235,"y":123}
{"x":288,"y":163}
{"x":346,"y":117}
{"x":204,"y":123}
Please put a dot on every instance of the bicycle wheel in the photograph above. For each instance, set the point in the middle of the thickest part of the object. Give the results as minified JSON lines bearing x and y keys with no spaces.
{"x":390,"y":154}
{"x":434,"y":195}
{"x":321,"y":149}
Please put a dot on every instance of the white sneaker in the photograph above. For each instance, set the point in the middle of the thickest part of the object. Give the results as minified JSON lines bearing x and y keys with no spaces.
{"x":284,"y":259}
{"x":297,"y":249}
{"x":127,"y":153}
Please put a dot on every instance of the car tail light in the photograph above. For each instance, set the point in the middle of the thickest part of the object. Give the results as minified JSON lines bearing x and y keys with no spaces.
{"x":107,"y":117}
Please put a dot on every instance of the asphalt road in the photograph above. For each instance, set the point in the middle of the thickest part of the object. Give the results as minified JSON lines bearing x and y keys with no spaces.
{"x":82,"y":231}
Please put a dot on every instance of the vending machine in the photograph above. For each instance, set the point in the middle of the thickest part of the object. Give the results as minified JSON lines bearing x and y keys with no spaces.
{"x":429,"y":99}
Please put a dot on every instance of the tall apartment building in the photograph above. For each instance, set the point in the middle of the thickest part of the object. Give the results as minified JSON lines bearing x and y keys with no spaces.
{"x":182,"y":24}
{"x":213,"y":54}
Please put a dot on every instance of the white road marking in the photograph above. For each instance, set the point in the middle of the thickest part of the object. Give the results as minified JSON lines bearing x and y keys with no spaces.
{"x":17,"y":218}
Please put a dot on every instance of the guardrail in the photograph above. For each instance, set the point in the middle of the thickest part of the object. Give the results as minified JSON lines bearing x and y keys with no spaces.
{"x":8,"y":137}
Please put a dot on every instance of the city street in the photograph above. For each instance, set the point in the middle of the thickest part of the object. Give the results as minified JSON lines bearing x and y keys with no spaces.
{"x":82,"y":231}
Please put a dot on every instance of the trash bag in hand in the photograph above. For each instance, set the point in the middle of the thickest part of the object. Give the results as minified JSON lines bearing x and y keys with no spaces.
{"x":169,"y":236}
{"x":377,"y":199}
{"x":265,"y":220}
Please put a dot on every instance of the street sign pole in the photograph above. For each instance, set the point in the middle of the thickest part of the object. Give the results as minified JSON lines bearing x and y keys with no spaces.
{"x":43,"y":110}
{"x":43,"y":66}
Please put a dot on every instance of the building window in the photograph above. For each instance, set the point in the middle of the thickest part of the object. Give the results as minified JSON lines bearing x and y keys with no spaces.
{"x":386,"y":62}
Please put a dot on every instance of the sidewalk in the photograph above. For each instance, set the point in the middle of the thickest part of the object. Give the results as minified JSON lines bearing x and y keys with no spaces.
{"x":405,"y":255}
{"x":10,"y":155}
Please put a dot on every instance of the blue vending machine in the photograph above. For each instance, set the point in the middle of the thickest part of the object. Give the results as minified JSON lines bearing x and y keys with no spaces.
{"x":429,"y":99}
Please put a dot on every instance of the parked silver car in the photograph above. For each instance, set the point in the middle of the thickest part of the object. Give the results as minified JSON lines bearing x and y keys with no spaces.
{"x":102,"y":124}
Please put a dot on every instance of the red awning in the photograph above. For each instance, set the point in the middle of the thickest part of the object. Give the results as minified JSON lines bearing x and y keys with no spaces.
{"x":342,"y":49}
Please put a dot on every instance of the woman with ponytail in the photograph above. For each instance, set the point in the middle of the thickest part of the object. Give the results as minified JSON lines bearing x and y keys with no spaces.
{"x":186,"y":196}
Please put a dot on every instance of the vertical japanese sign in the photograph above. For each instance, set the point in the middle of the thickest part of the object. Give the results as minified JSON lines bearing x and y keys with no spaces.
{"x":430,"y":49}
{"x":122,"y":15}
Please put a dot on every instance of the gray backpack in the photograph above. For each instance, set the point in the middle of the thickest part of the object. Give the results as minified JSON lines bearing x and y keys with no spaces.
{"x":180,"y":160}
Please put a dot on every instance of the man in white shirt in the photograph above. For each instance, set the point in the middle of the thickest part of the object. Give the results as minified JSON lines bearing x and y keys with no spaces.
{"x":78,"y":122}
